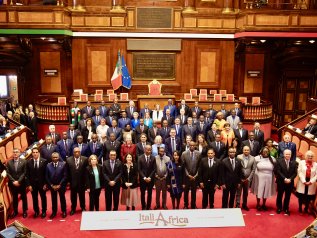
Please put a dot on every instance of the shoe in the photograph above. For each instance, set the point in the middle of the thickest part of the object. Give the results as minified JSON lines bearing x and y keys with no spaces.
{"x":133,"y":208}
{"x":278,"y":211}
{"x":193,"y":207}
{"x":185,"y":207}
{"x":64,"y":215}
{"x":287,"y":212}
{"x":72,"y":212}
{"x":43,"y":215}
{"x":156,"y":208}
{"x":83,"y":209}
{"x":237,"y":206}
{"x":128,"y":208}
{"x":25,"y":214}
{"x":264,"y":208}
{"x":306,"y":210}
{"x":245,"y":208}
{"x":259,"y":208}
{"x":53,"y":215}
{"x":13,"y":215}
{"x":36,"y":214}
{"x":165,"y":208}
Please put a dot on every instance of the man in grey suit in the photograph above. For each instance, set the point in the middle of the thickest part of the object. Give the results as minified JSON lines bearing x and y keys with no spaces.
{"x":191,"y":159}
{"x":233,"y":119}
{"x":160,"y":177}
{"x":248,"y":169}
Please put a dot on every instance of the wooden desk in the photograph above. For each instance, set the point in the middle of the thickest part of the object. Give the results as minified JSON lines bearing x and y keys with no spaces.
{"x":152,"y":100}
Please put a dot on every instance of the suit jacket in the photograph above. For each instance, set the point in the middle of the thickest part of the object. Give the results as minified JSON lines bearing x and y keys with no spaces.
{"x":85,"y":151}
{"x":103,"y":111}
{"x":187,"y":110}
{"x":281,"y":171}
{"x":202,"y":130}
{"x":179,"y":132}
{"x":248,"y":169}
{"x":76,"y":177}
{"x":208,"y":174}
{"x":198,"y":111}
{"x":130,"y":177}
{"x":129,"y":113}
{"x":109,"y":120}
{"x":187,"y":131}
{"x":139,"y":149}
{"x":57,"y":137}
{"x":32,"y":124}
{"x":164,"y":133}
{"x":259,"y":138}
{"x":170,"y":120}
{"x":152,"y":134}
{"x":63,"y":151}
{"x":76,"y":133}
{"x":56,"y":176}
{"x":184,"y":121}
{"x":85,"y":132}
{"x":116,"y":108}
{"x":36,"y":177}
{"x":107,"y":147}
{"x":291,"y":146}
{"x":112,"y":176}
{"x":146,"y":169}
{"x":91,"y":113}
{"x":98,"y":150}
{"x":211,"y":137}
{"x":173,"y":110}
{"x":212,"y":113}
{"x":256,"y":147}
{"x":19,"y":175}
{"x":191,"y":165}
{"x":97,"y":120}
{"x":118,"y":133}
{"x":138,"y":132}
{"x":168,"y":146}
{"x":220,"y":153}
{"x":122,"y":123}
{"x":311,"y":129}
{"x":90,"y":177}
{"x":47,"y":153}
{"x":142,"y":112}
{"x":233,"y":122}
{"x":81,"y":124}
{"x":230,"y":177}
{"x":239,"y":137}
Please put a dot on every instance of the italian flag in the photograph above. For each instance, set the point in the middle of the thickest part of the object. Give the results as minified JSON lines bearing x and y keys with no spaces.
{"x":116,"y":79}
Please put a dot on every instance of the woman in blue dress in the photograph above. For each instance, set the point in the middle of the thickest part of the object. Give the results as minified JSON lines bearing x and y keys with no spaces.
{"x":175,"y":181}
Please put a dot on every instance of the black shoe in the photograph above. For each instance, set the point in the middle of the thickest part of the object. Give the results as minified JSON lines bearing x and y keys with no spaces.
{"x":25,"y":214}
{"x":72,"y":212}
{"x":64,"y":215}
{"x":278,"y":211}
{"x":133,"y":208}
{"x":36,"y":214}
{"x":264,"y":208}
{"x":185,"y":207}
{"x":165,"y":208}
{"x":237,"y":206}
{"x":143,"y":208}
{"x":156,"y":208}
{"x":128,"y":208}
{"x":83,"y":209}
{"x":53,"y":215}
{"x":245,"y":208}
{"x":43,"y":215}
{"x":259,"y":208}
{"x":13,"y":215}
{"x":287,"y":212}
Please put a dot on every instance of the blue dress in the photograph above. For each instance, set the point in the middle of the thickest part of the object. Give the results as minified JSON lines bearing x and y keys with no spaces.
{"x":175,"y":173}
{"x":134,"y":123}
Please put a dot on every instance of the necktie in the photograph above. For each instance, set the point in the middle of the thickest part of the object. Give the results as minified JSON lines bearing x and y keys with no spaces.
{"x":218,"y":146}
{"x":177,"y":129}
{"x":55,"y":165}
{"x":97,"y":119}
{"x":232,"y":163}
{"x":201,"y":126}
{"x":16,"y":163}
{"x":147,"y":159}
{"x":142,"y":128}
{"x":287,"y":164}
{"x":287,"y":145}
{"x":36,"y":165}
{"x":182,"y":118}
{"x":72,"y":134}
{"x":94,"y":147}
{"x":65,"y":145}
{"x":210,"y":163}
{"x":241,"y":133}
{"x":143,"y":145}
{"x":256,"y":133}
{"x":192,"y":155}
{"x":80,"y":147}
{"x":112,"y":143}
{"x":48,"y":147}
{"x":112,"y":166}
{"x":114,"y":130}
{"x":251,"y":145}
{"x":173,"y":144}
{"x":77,"y":163}
{"x":131,"y":110}
{"x":157,"y":114}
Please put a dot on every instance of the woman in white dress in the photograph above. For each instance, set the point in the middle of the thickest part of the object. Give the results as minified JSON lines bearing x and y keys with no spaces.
{"x":157,"y":114}
{"x":263,"y":184}
{"x":129,"y":195}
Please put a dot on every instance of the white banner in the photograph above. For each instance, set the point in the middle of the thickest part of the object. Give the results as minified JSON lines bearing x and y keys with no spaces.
{"x":158,"y":219}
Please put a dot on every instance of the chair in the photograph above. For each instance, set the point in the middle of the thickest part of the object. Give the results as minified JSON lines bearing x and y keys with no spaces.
{"x":256,"y":100}
{"x":3,"y":155}
{"x":188,"y":96}
{"x":17,"y":143}
{"x":295,"y":140}
{"x":24,"y":142}
{"x":124,"y":97}
{"x":110,"y":91}
{"x":217,"y":97}
{"x":314,"y":149}
{"x":83,"y":97}
{"x":9,"y":150}
{"x":223,"y":92}
{"x":155,"y":88}
{"x":99,"y":91}
{"x":304,"y":146}
{"x":61,"y":101}
{"x":230,"y":97}
{"x":203,"y":97}
{"x":111,"y":97}
{"x":203,"y":91}
{"x":193,"y":92}
{"x":243,"y":100}
{"x":98,"y":97}
{"x":212,"y":91}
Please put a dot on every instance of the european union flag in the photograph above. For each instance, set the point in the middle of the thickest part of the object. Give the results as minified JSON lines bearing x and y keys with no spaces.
{"x":126,"y":78}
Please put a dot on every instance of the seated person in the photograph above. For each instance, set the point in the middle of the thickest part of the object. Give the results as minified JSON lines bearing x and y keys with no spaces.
{"x":311,"y":126}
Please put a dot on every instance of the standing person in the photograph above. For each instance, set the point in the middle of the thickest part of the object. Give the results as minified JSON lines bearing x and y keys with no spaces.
{"x":172,"y":143}
{"x":287,"y":144}
{"x":209,"y":171}
{"x":146,"y":167}
{"x":160,"y":178}
{"x":112,"y":171}
{"x":231,"y":177}
{"x":286,"y":172}
{"x":56,"y":178}
{"x":128,"y":148}
{"x":263,"y":184}
{"x":94,"y":182}
{"x":36,"y":168}
{"x":254,"y":145}
{"x":175,"y":178}
{"x":109,"y":145}
{"x":306,"y":184}
{"x":273,"y":151}
{"x":76,"y":166}
{"x":64,"y":146}
{"x":191,"y":159}
{"x":258,"y":134}
{"x":248,"y":169}
{"x":32,"y":123}
{"x":55,"y":136}
{"x":48,"y":148}
{"x":129,"y":195}
{"x":16,"y":172}
{"x":95,"y":147}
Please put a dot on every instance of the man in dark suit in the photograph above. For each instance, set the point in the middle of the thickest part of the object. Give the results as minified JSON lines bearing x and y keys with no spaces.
{"x":95,"y":147}
{"x":16,"y":172}
{"x":212,"y":111}
{"x":88,"y":109}
{"x":197,"y":109}
{"x":140,"y":146}
{"x":82,"y":123}
{"x":191,"y":159}
{"x":103,"y":109}
{"x":252,"y":144}
{"x":209,"y":170}
{"x":311,"y":126}
{"x":97,"y":118}
{"x":64,"y":146}
{"x":167,"y":116}
{"x":55,"y":136}
{"x":172,"y":143}
{"x":202,"y":126}
{"x":219,"y":147}
{"x":56,"y":178}
{"x":164,"y":131}
{"x":47,"y":149}
{"x":72,"y":133}
{"x":83,"y":147}
{"x":189,"y":129}
{"x":146,"y":167}
{"x":76,"y":167}
{"x":286,"y":172}
{"x":124,"y":120}
{"x":116,"y":130}
{"x":171,"y":107}
{"x":182,"y":117}
{"x":211,"y":135}
{"x":131,"y":109}
{"x":153,"y":132}
{"x":36,"y":168}
{"x":240,"y":133}
{"x":225,"y":112}
{"x":238,"y":111}
{"x":116,"y":107}
{"x":112,"y":170}
{"x":110,"y":117}
{"x":258,"y":134}
{"x":111,"y":144}
{"x":287,"y":144}
{"x":231,"y":176}
{"x":186,"y":108}
{"x":141,"y":128}
{"x":32,"y":123}
{"x":178,"y":128}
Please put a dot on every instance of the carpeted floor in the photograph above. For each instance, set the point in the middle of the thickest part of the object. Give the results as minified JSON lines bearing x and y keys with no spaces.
{"x":258,"y":224}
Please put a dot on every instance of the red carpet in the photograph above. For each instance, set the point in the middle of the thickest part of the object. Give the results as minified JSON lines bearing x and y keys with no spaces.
{"x":258,"y":224}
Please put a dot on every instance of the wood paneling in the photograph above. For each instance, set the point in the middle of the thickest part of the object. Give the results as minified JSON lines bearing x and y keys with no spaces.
{"x":254,"y":84}
{"x":208,"y":67}
{"x":50,"y":60}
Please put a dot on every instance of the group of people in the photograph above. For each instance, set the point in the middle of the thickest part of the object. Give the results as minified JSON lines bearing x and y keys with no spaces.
{"x":126,"y":152}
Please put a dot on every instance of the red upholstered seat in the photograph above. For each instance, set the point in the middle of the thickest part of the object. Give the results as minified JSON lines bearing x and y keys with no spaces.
{"x":155,"y":88}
